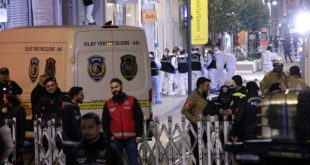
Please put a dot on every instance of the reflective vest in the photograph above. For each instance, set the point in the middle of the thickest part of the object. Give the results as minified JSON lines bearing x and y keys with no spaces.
{"x":166,"y":65}
{"x":182,"y":64}
{"x":196,"y":64}
{"x":154,"y":68}
{"x":122,"y":124}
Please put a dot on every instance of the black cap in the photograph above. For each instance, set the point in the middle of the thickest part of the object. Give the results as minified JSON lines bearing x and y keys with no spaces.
{"x":225,"y":91}
{"x":50,"y":79}
{"x":252,"y":85}
{"x":4,"y":71}
{"x":294,"y":70}
{"x":237,"y":79}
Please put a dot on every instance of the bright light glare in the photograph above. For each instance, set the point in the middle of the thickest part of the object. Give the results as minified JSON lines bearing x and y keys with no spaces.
{"x":302,"y":25}
{"x":274,"y":3}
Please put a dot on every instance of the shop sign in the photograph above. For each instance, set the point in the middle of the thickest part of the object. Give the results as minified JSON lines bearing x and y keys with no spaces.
{"x":148,"y":16}
{"x":199,"y":23}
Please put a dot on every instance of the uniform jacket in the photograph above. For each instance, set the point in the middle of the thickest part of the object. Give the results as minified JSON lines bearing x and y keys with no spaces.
{"x":271,"y":78}
{"x":122,"y":117}
{"x":12,"y":88}
{"x":100,"y":152}
{"x":71,"y":120}
{"x":194,"y":105}
{"x":50,"y":104}
{"x":246,"y":120}
{"x":36,"y":94}
{"x":296,"y":83}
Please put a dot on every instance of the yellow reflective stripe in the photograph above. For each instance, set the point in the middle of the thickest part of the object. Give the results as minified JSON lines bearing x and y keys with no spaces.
{"x":238,"y":94}
{"x":92,"y":105}
{"x":89,"y":105}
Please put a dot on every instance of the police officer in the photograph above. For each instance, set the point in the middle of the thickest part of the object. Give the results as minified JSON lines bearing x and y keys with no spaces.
{"x":71,"y":119}
{"x":239,"y":87}
{"x":164,"y":71}
{"x":225,"y":104}
{"x":183,"y":70}
{"x":95,"y":148}
{"x":7,"y":86}
{"x":277,"y":75}
{"x":38,"y":92}
{"x":196,"y":65}
{"x":246,"y":120}
{"x":156,"y":82}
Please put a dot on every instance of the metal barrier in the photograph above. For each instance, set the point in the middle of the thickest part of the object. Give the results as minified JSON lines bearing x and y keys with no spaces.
{"x":48,"y":139}
{"x":12,"y":124}
{"x":171,"y":142}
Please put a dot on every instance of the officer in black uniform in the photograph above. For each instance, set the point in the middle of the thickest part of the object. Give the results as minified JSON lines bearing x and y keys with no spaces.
{"x":94,"y":148}
{"x":7,"y":86}
{"x":246,"y":120}
{"x":183,"y":70}
{"x":224,"y":104}
{"x":156,"y":82}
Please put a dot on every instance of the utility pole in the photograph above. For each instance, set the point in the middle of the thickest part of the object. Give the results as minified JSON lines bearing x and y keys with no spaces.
{"x":189,"y":46}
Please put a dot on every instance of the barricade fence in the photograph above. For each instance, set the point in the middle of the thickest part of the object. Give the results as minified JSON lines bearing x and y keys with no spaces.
{"x":48,"y":142}
{"x":171,"y":142}
{"x":12,"y":124}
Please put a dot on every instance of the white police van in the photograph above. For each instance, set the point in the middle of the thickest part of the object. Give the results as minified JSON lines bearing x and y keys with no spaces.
{"x":86,"y":56}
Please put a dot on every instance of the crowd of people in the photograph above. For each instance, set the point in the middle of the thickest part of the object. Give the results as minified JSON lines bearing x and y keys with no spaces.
{"x":170,"y":71}
{"x":244,"y":102}
{"x":83,"y":141}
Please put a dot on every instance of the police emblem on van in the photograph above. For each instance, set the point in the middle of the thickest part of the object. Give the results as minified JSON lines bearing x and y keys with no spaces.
{"x":34,"y":69}
{"x":96,"y":67}
{"x":129,"y":67}
{"x":50,"y":67}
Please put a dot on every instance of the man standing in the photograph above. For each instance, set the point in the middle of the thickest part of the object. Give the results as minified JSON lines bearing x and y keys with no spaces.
{"x":94,"y":147}
{"x":183,"y":69}
{"x":123,"y":121}
{"x":49,"y":105}
{"x":277,"y":75}
{"x":193,"y":107}
{"x":169,"y":65}
{"x":156,"y":82}
{"x":268,"y":56}
{"x":89,"y":11}
{"x":38,"y":92}
{"x":287,"y":49}
{"x":231,"y":62}
{"x":7,"y":86}
{"x":246,"y":120}
{"x":196,"y":65}
{"x":71,"y":119}
{"x":220,"y":62}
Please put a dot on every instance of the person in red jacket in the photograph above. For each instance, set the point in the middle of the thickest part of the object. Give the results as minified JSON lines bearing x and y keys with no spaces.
{"x":122,"y":121}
